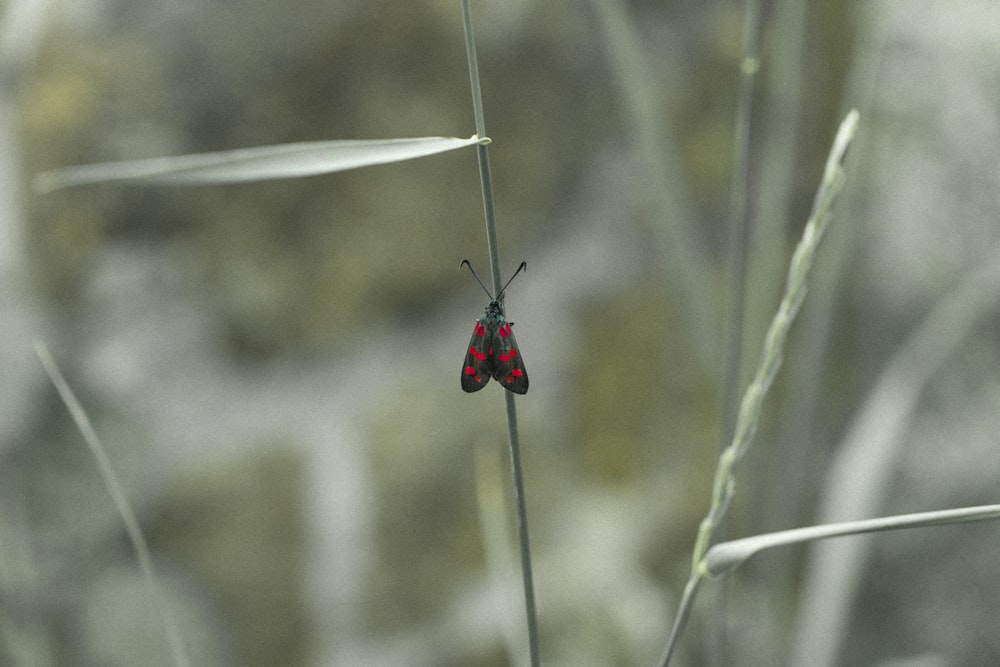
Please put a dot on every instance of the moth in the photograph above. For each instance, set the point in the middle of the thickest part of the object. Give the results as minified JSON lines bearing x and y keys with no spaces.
{"x":493,"y":351}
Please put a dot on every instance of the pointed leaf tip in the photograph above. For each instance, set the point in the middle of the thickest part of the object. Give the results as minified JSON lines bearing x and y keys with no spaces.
{"x":258,"y":163}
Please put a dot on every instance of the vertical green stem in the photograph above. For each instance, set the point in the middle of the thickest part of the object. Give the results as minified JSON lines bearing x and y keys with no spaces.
{"x":740,"y":225}
{"x":522,"y":530}
{"x":740,"y":214}
{"x":470,"y":53}
{"x":482,"y":150}
{"x":489,"y":211}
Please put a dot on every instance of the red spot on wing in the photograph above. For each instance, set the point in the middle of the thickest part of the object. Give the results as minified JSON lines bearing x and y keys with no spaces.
{"x":516,"y":373}
{"x":505,"y":331}
{"x":480,"y":330}
{"x":477,"y":354}
{"x":510,"y":355}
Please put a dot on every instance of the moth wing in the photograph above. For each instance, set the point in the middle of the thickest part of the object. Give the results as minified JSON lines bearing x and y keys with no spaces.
{"x":508,"y":366}
{"x":476,"y":367}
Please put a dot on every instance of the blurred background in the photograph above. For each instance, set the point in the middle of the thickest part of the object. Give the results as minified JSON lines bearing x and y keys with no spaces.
{"x":274,"y":367}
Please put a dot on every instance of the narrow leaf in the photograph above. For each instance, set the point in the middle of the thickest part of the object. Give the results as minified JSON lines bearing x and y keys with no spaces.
{"x":114,"y":487}
{"x":254,"y":164}
{"x":727,"y":556}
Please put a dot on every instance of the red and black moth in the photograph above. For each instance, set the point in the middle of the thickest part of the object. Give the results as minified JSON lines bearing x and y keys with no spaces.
{"x":493,"y":352}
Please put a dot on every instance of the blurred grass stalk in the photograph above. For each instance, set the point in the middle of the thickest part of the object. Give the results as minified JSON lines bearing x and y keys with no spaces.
{"x":832,"y":579}
{"x":489,"y":211}
{"x":856,"y":481}
{"x":132,"y":528}
{"x":688,"y":273}
{"x":751,"y":407}
{"x":741,"y":217}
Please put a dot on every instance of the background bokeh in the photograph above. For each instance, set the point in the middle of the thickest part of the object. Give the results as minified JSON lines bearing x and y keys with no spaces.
{"x":274,"y":367}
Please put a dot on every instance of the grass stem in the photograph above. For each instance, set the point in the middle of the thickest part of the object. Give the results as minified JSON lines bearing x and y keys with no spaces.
{"x":751,"y":406}
{"x":489,"y":210}
{"x":114,"y":487}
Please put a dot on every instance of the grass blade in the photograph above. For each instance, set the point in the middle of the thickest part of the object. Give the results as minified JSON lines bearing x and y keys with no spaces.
{"x":727,"y":556}
{"x":258,"y":163}
{"x":132,"y":528}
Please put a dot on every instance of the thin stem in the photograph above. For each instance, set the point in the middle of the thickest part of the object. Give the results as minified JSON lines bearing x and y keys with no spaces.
{"x":489,"y":211}
{"x":132,"y":528}
{"x":740,"y":213}
{"x":470,"y":53}
{"x":663,"y":193}
{"x":740,"y":231}
{"x":522,"y":529}
{"x":683,"y":612}
{"x":774,"y":344}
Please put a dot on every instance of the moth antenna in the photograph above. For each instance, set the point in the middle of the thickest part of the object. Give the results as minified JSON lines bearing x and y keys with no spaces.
{"x":522,"y":267}
{"x":475,"y":275}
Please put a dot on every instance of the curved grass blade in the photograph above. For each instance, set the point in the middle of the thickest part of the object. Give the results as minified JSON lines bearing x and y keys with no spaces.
{"x":129,"y":520}
{"x":727,"y":556}
{"x":258,"y":163}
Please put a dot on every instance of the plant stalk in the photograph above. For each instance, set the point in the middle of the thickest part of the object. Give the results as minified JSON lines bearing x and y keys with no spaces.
{"x":489,"y":211}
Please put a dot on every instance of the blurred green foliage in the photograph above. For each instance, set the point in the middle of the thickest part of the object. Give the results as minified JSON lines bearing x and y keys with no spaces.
{"x":72,"y":591}
{"x":311,"y":268}
{"x":240,"y":530}
{"x":287,"y":265}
